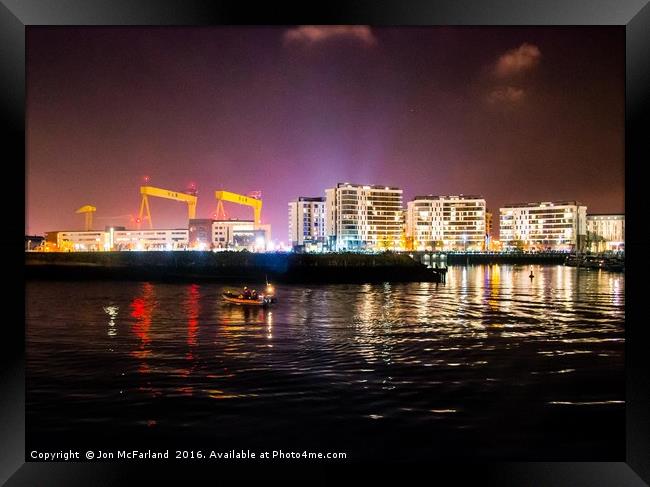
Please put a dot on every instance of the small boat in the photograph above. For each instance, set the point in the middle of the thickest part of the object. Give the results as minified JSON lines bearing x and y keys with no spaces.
{"x":240,"y":299}
{"x":259,"y":300}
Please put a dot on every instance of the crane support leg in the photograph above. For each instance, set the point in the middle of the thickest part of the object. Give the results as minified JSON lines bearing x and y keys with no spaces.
{"x":220,"y":213}
{"x":145,"y":205}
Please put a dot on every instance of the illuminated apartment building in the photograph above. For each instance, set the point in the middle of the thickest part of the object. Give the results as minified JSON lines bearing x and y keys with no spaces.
{"x":606,"y":232}
{"x":552,"y":225}
{"x":446,"y":222}
{"x":361,"y":217}
{"x":307,"y":221}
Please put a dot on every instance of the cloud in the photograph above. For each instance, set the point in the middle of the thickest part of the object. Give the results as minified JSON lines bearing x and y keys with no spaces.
{"x":509,"y":95}
{"x":518,"y":60}
{"x":313,"y":34}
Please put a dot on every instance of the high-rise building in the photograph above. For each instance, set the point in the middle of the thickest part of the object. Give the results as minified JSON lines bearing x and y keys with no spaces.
{"x":606,"y":232}
{"x":446,"y":222}
{"x":549,"y":225}
{"x":363,"y":217}
{"x":307,"y":221}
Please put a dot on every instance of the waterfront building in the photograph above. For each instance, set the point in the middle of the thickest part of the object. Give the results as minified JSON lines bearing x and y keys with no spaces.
{"x":70,"y":240}
{"x":232,"y":234}
{"x":240,"y":234}
{"x":406,"y":243}
{"x":549,"y":225}
{"x":117,"y":239}
{"x":605,"y":232}
{"x":156,"y":239}
{"x":488,"y":230}
{"x":363,"y":217}
{"x":33,"y":242}
{"x":200,"y":233}
{"x":446,"y":222}
{"x":307,"y":222}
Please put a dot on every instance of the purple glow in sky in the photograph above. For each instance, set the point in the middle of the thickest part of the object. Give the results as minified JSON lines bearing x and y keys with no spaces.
{"x":513,"y":114}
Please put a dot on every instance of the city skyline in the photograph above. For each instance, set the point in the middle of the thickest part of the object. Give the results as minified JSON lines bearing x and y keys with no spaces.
{"x":511,"y":114}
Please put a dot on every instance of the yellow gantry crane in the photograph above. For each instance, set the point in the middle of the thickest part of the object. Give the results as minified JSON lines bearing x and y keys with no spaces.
{"x":88,"y":210}
{"x":240,"y":199}
{"x":147,"y":191}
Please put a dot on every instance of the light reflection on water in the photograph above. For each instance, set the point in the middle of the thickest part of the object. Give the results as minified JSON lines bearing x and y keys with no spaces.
{"x":412,"y":352}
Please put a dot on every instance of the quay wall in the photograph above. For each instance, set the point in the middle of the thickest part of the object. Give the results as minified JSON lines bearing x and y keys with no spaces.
{"x":471,"y":258}
{"x":229,"y":266}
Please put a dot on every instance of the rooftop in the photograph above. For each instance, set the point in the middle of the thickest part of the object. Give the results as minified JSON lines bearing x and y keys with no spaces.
{"x":311,"y":198}
{"x":606,"y":215}
{"x":367,"y":186}
{"x":449,"y":197}
{"x":543,"y":204}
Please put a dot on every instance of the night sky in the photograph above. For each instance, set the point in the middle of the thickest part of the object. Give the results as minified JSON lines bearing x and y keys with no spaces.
{"x":513,"y":114}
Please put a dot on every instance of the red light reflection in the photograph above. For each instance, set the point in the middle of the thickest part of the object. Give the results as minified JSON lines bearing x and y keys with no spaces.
{"x":142,"y":310}
{"x":192,"y":310}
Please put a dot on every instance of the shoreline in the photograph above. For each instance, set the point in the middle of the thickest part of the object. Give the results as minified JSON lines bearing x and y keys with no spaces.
{"x":197,"y":266}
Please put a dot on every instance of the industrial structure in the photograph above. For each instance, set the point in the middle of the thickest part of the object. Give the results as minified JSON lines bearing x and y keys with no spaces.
{"x":240,"y":199}
{"x":87,"y":211}
{"x":199,"y":234}
{"x":147,"y":191}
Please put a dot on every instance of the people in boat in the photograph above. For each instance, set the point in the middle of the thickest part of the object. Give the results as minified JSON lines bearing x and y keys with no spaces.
{"x":253,"y":294}
{"x":246,"y":293}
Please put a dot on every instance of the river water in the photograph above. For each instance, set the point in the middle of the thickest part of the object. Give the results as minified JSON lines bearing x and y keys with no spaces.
{"x":491,"y":364}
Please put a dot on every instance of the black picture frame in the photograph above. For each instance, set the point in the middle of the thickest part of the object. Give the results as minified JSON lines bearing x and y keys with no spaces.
{"x":634,"y":15}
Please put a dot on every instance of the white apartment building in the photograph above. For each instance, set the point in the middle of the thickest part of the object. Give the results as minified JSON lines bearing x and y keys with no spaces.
{"x":606,"y":232}
{"x":554,"y":225}
{"x":446,"y":222}
{"x":307,"y":221}
{"x":363,"y":217}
